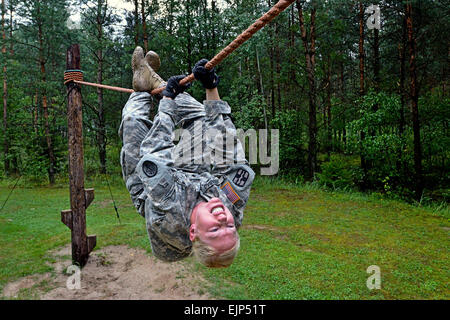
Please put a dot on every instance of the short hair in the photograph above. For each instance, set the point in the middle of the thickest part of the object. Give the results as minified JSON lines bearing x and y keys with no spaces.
{"x":209,"y":257}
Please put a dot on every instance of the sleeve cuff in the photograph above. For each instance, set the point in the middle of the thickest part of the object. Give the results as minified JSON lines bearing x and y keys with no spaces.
{"x":216,"y":107}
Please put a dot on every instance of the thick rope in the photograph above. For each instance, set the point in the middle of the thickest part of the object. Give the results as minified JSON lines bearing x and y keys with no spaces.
{"x":279,"y":7}
{"x":77,"y":77}
{"x":73,"y":75}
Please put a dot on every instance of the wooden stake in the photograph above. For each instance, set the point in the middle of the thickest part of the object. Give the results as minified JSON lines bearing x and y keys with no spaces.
{"x":75,"y":218}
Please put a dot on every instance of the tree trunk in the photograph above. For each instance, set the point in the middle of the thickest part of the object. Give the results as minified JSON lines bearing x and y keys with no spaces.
{"x":376,"y":72}
{"x":401,"y":91}
{"x":11,"y":9}
{"x":362,"y":89}
{"x":361,"y":50}
{"x":35,"y":111}
{"x":278,"y":67}
{"x":376,"y":61}
{"x":292,"y":69}
{"x":5,"y":96}
{"x":212,"y":25}
{"x":144,"y":25}
{"x":414,"y":93}
{"x":101,"y":133}
{"x":343,"y":97}
{"x":402,"y":58}
{"x":262,"y":87}
{"x":170,"y":17}
{"x":272,"y":82}
{"x":189,"y":37}
{"x":310,"y":50}
{"x":136,"y":23}
{"x":328,"y":110}
{"x":272,"y":63}
{"x":51,"y":169}
{"x":206,"y":27}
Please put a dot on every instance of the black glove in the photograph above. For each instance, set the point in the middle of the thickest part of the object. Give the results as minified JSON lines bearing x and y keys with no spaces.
{"x":208,"y":78}
{"x":173,"y":87}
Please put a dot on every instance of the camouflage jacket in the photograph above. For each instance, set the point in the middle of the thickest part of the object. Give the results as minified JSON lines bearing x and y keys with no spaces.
{"x":167,"y":180}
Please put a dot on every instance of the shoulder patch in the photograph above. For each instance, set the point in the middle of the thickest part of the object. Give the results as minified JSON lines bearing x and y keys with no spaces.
{"x":150,"y":169}
{"x":241,"y":177}
{"x":230,"y":193}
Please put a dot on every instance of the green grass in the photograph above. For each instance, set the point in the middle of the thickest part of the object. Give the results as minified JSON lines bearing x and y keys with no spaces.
{"x":297,"y":242}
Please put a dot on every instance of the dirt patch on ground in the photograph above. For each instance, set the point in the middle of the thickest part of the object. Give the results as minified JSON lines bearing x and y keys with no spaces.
{"x":260,"y":227}
{"x":114,"y":272}
{"x":276,"y":232}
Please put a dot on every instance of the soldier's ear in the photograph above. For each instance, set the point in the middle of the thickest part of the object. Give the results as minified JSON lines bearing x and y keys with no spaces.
{"x":192,"y":232}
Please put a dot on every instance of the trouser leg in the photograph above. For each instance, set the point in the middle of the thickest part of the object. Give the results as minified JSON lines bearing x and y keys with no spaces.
{"x":133,"y":129}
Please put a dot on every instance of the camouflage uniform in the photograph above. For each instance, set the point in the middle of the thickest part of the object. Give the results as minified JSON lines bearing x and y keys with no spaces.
{"x":166,"y":181}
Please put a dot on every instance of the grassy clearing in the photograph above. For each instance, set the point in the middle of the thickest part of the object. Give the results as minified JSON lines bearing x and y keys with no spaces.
{"x":296,"y":242}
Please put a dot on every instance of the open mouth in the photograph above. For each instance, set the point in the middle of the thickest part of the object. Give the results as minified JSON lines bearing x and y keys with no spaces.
{"x":218,"y":209}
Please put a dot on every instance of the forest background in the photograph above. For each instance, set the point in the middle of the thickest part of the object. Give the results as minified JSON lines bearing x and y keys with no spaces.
{"x":358,"y":108}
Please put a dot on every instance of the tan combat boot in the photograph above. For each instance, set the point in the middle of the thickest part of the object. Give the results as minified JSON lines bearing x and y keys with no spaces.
{"x":144,"y":76}
{"x":153,"y":60}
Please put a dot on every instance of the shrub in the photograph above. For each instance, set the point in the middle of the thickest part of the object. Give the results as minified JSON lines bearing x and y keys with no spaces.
{"x":340,"y":173}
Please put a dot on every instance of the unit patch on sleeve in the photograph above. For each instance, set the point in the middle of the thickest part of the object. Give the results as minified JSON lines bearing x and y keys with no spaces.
{"x":241,"y":177}
{"x":230,"y":193}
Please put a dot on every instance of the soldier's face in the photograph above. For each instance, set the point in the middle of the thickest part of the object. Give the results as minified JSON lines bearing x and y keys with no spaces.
{"x":214,"y":225}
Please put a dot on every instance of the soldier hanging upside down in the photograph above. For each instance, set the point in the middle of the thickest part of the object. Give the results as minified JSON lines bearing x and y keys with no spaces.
{"x":193,"y":193}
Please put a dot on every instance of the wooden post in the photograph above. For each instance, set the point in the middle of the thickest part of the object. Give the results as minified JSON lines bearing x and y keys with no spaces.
{"x":75,"y":218}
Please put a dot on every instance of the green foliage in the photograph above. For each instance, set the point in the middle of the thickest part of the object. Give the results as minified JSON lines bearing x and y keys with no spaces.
{"x":383,"y":148}
{"x":92,"y":162}
{"x":265,"y":82}
{"x":435,"y":117}
{"x":340,"y":173}
{"x":389,"y":153}
{"x":247,"y":105}
{"x":292,"y":151}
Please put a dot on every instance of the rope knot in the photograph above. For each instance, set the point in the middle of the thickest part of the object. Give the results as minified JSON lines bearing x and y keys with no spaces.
{"x":73,"y":75}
